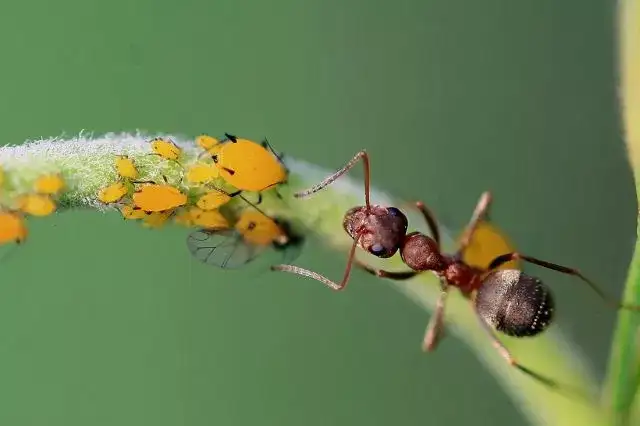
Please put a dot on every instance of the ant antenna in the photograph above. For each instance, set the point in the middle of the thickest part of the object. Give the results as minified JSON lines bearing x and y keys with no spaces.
{"x":362,"y":155}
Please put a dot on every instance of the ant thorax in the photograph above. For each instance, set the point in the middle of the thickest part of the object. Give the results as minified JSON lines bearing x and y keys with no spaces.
{"x":461,"y":275}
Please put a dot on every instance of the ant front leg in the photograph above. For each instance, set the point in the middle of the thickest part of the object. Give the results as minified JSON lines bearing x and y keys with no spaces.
{"x":502,"y":259}
{"x":324,"y":280}
{"x":435,"y":327}
{"x":392,"y":275}
{"x":480,"y":213}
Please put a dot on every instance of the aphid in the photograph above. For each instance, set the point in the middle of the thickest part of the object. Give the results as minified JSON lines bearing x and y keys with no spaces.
{"x":253,"y":234}
{"x":208,"y":219}
{"x":112,"y":193}
{"x":12,"y":228}
{"x":36,"y":204}
{"x":207,"y":142}
{"x":184,"y":218}
{"x":131,"y":213}
{"x":504,"y":300}
{"x":247,"y":165}
{"x":154,"y":197}
{"x":126,"y":168}
{"x":214,"y":199}
{"x":201,"y":173}
{"x":485,"y":244}
{"x":166,"y":149}
{"x":49,"y":184}
{"x":156,"y":219}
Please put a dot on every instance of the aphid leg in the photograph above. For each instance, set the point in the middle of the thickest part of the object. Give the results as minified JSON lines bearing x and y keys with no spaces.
{"x":479,"y":214}
{"x":278,"y":194}
{"x":430,"y":218}
{"x":252,"y":205}
{"x":392,"y":275}
{"x":504,"y":353}
{"x":362,"y":155}
{"x":314,"y":275}
{"x":231,"y":138}
{"x":435,"y":327}
{"x":504,"y":258}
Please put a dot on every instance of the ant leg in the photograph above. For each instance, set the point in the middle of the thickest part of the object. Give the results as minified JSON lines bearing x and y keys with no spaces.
{"x":314,"y":275}
{"x":362,"y":155}
{"x":397,"y":276}
{"x":436,"y":325}
{"x":504,"y":353}
{"x":430,"y":218}
{"x":479,"y":214}
{"x":502,"y":259}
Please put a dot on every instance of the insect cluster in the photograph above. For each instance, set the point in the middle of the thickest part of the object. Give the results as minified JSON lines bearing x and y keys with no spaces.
{"x":41,"y":201}
{"x":225,"y":169}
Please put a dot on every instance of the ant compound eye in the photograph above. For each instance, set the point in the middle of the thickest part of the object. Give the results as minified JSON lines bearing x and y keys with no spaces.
{"x":393,"y":211}
{"x":377,"y":250}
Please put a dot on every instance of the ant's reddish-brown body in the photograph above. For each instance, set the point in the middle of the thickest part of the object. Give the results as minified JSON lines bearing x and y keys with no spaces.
{"x":504,"y":300}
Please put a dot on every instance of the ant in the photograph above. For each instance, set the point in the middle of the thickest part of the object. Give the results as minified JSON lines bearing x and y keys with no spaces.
{"x":504,"y":300}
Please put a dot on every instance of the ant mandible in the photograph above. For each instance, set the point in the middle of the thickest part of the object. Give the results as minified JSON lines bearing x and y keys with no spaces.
{"x":504,"y":300}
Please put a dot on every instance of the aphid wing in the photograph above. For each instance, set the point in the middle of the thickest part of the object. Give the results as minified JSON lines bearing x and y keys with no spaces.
{"x":222,"y":248}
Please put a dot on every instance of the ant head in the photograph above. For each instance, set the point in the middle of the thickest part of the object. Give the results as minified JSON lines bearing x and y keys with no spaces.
{"x":421,"y":253}
{"x":381,"y":229}
{"x":515,"y":303}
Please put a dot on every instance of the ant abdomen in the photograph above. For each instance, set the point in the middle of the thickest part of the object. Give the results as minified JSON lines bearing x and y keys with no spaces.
{"x":515,"y":303}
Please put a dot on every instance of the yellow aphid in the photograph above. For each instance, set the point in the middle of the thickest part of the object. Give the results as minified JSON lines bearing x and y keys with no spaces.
{"x":258,"y":229}
{"x":184,"y":218}
{"x":158,"y":198}
{"x":487,"y":242}
{"x":166,"y":148}
{"x":36,"y":204}
{"x":112,"y":193}
{"x":248,"y":166}
{"x":212,"y":200}
{"x":156,"y":219}
{"x":12,"y":228}
{"x":130,"y":213}
{"x":206,"y":142}
{"x":126,"y":168}
{"x":201,"y":173}
{"x":208,"y":219}
{"x":49,"y":184}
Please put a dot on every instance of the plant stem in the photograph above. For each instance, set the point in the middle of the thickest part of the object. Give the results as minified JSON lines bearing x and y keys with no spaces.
{"x":87,"y":165}
{"x":622,"y":380}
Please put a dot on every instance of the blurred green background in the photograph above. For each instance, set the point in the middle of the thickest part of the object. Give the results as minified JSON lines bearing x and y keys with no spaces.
{"x":105,"y":323}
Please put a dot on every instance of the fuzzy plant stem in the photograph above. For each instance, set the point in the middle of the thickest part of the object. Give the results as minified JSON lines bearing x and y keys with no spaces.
{"x":86,"y":163}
